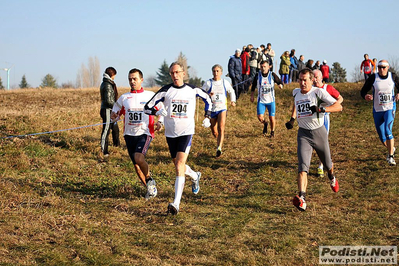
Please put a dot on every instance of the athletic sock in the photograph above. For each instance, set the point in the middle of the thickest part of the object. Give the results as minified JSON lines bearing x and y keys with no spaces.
{"x":331,"y":176}
{"x":179,"y":186}
{"x":191,"y":173}
{"x":302,"y":194}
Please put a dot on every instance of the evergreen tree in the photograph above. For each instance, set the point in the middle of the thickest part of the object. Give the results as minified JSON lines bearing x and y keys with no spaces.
{"x":198,"y":82}
{"x":1,"y":85}
{"x":49,"y":81}
{"x":163,"y":76}
{"x":24,"y":84}
{"x":338,"y":73}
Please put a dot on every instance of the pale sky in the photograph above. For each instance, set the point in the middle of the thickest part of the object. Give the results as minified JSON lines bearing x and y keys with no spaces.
{"x":56,"y":37}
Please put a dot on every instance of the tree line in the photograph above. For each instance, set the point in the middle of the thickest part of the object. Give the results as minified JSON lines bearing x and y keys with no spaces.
{"x":90,"y":75}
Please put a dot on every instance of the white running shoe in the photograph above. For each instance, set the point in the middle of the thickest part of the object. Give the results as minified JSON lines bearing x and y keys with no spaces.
{"x":151,"y":189}
{"x":299,"y":202}
{"x":196,"y":187}
{"x":391,"y":161}
{"x":173,"y":209}
{"x":393,"y":154}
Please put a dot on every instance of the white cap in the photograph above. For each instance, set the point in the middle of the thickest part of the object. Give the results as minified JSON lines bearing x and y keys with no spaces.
{"x":325,"y":62}
{"x":383,"y":63}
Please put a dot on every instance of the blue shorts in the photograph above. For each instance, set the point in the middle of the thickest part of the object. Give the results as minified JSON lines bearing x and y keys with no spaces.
{"x":215,"y":114}
{"x":179,"y":144}
{"x":383,"y":123}
{"x":271,"y":108}
{"x":139,"y":144}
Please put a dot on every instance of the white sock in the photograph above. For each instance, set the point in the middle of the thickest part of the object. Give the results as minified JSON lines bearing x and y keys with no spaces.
{"x":179,"y":186}
{"x":321,"y":166}
{"x":191,"y":173}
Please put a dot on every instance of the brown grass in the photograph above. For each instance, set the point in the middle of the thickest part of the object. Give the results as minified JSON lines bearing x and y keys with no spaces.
{"x":61,"y":203}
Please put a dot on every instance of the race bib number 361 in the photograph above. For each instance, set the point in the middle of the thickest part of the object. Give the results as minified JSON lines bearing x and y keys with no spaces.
{"x":135,"y":116}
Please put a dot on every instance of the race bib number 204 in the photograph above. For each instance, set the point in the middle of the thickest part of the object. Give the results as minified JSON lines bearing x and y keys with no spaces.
{"x":179,"y":109}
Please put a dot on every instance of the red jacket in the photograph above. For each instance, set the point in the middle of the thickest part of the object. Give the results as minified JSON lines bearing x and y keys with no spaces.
{"x":245,"y":63}
{"x":325,"y":71}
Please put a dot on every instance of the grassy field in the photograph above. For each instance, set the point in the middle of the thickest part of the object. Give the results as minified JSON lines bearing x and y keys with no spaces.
{"x":62,"y":204}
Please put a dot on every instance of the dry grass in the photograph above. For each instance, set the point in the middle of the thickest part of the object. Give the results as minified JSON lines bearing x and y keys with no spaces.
{"x":62,"y":204}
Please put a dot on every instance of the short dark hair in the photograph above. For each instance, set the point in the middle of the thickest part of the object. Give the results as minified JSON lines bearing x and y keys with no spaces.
{"x":307,"y":70}
{"x":263,"y":62}
{"x":136,"y":70}
{"x":110,"y":71}
{"x":262,"y":46}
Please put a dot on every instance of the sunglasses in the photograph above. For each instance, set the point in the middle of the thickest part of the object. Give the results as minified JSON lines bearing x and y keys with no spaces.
{"x":382,"y":67}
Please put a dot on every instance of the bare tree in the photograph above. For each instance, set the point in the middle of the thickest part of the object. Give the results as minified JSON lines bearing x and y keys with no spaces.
{"x":90,"y":76}
{"x":182,"y":59}
{"x":78,"y":83}
{"x":67,"y":85}
{"x":85,"y":74}
{"x":94,"y":71}
{"x":393,"y":64}
{"x":149,"y":81}
{"x":357,"y":76}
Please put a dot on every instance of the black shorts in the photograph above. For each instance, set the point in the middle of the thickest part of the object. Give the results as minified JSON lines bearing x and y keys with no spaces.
{"x":182,"y":144}
{"x":139,"y":144}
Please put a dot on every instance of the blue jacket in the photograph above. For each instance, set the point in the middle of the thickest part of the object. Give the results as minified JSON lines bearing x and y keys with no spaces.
{"x":235,"y":67}
{"x":294,"y":62}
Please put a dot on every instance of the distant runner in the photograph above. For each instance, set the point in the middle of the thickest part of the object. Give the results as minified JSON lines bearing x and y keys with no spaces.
{"x":383,"y":84}
{"x":265,"y":81}
{"x":217,"y":88}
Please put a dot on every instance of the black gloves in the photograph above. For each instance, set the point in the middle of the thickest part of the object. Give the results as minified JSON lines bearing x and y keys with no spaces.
{"x":316,"y":109}
{"x":290,"y":124}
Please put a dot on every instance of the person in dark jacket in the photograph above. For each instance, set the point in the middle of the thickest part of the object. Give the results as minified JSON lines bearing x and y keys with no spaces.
{"x":235,"y":68}
{"x":301,"y":63}
{"x":109,"y":95}
{"x":309,"y":64}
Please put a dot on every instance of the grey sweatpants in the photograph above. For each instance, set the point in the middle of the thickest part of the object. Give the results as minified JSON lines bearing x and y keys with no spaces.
{"x":313,"y":139}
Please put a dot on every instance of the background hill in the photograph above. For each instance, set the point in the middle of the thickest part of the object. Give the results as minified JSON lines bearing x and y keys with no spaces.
{"x":61,"y":203}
